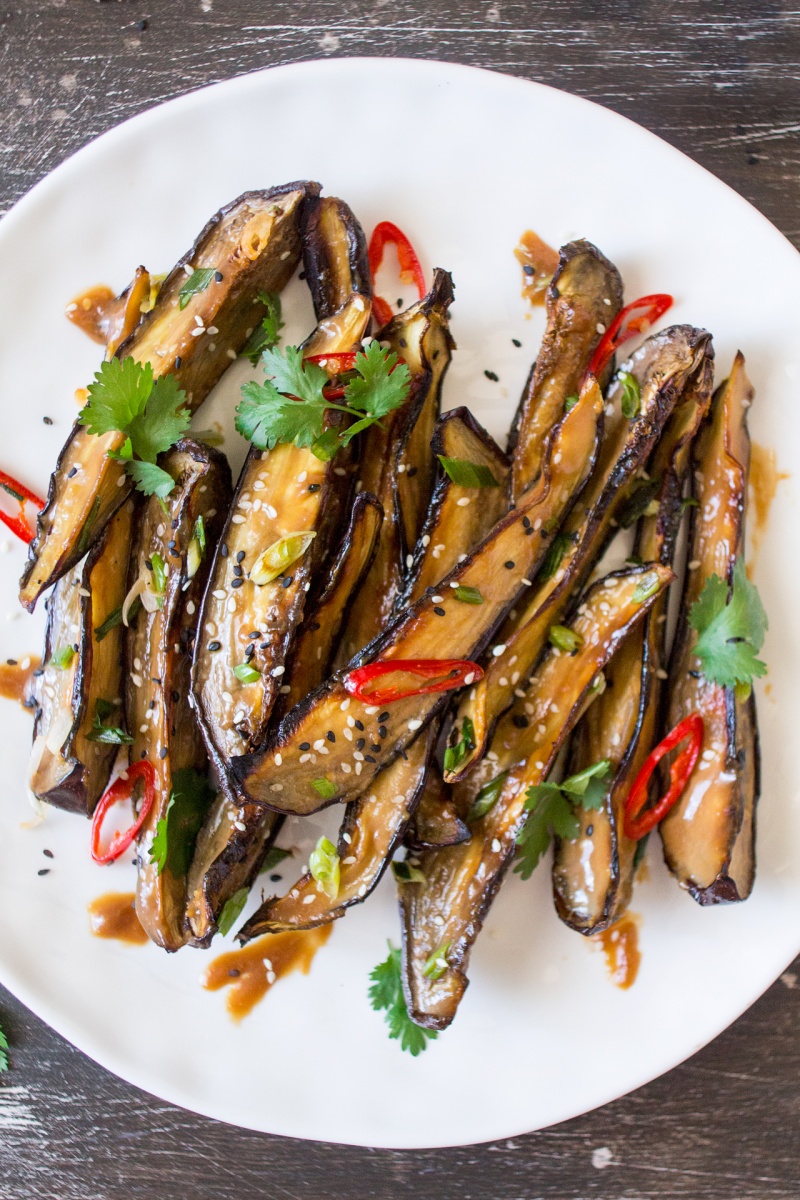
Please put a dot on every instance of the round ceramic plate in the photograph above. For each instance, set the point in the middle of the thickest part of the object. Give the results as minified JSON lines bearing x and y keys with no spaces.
{"x":468,"y":162}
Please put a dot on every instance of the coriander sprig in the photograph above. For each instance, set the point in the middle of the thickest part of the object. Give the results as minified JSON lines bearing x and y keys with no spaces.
{"x":386,"y":993}
{"x":551,"y":809}
{"x":730,"y":624}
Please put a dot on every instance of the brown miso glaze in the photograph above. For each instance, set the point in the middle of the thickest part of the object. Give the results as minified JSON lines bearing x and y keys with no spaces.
{"x":620,"y":944}
{"x":16,"y":679}
{"x":113,"y":916}
{"x":93,"y":312}
{"x":764,"y":480}
{"x":247,"y":975}
{"x":538,"y":262}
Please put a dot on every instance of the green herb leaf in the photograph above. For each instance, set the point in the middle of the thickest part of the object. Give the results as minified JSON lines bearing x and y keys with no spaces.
{"x":62,"y":657}
{"x":150,"y":479}
{"x":468,"y":595}
{"x":587,"y":785}
{"x":176,"y":832}
{"x":436,"y":963}
{"x":454,"y":756}
{"x":267,"y":334}
{"x":730,"y":630}
{"x":467,"y":474}
{"x":323,"y":863}
{"x":246,"y":674}
{"x":551,"y":808}
{"x":3,"y":1051}
{"x":631,"y":400}
{"x":381,"y":383}
{"x":564,"y":638}
{"x":570,"y":403}
{"x":555,"y":553}
{"x":265,"y":417}
{"x":159,"y":577}
{"x":386,"y":993}
{"x":405,"y":873}
{"x":199,"y":534}
{"x":647,"y":586}
{"x":197,"y":282}
{"x":486,"y":798}
{"x":638,"y":502}
{"x":164,"y":420}
{"x":324,"y":788}
{"x":231,"y":910}
{"x":275,"y":856}
{"x":111,"y":622}
{"x":119,"y":393}
{"x":103,"y":731}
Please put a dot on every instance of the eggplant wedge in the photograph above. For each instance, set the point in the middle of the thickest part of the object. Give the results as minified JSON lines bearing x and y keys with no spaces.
{"x":593,"y":873}
{"x":443,"y":916}
{"x":254,"y":245}
{"x":79,"y":721}
{"x":397,"y":464}
{"x":435,"y":821}
{"x":285,"y":497}
{"x":661,"y":369}
{"x":335,"y":257}
{"x":309,"y":762}
{"x":169,"y":567}
{"x":582,"y":300}
{"x":709,"y":836}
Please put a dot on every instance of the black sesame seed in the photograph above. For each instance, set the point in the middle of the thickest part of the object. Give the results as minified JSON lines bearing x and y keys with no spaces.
{"x":411,"y":472}
{"x":163,"y":752}
{"x":520,"y":722}
{"x":276,"y":878}
{"x":223,"y":550}
{"x":368,"y":757}
{"x":171,"y":545}
{"x":264,"y":646}
{"x":237,"y":583}
{"x":238,"y":572}
{"x":251,"y":637}
{"x":215,"y":645}
{"x":510,"y":564}
{"x":178,"y":363}
{"x":287,"y":582}
{"x":330,"y":735}
{"x":47,"y":853}
{"x":39,"y":671}
{"x":240,"y":556}
{"x":302,"y":275}
{"x":492,"y":375}
{"x":403,"y":343}
{"x":12,"y":662}
{"x":305,"y":745}
{"x":516,"y":342}
{"x":382,"y":731}
{"x":400,"y":303}
{"x":361,"y":743}
{"x":313,"y":487}
{"x":695,"y":674}
{"x":384,"y":716}
{"x":529,"y":531}
{"x":528,"y":269}
{"x":234,"y":972}
{"x":148,"y":562}
{"x":526,"y":521}
{"x":250,"y":651}
{"x":375,"y":747}
{"x":589,"y":830}
{"x":144,"y":754}
{"x":175,"y":696}
{"x":47,"y":420}
{"x":218,"y":276}
{"x":359,"y":725}
{"x":74,"y":471}
{"x":44,"y":871}
{"x":439,"y":611}
{"x":314,"y":626}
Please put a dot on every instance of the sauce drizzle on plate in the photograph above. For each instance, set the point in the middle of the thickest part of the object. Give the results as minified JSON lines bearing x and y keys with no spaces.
{"x":16,"y":679}
{"x":251,"y":971}
{"x":113,"y":916}
{"x":620,"y":944}
{"x":538,"y":262}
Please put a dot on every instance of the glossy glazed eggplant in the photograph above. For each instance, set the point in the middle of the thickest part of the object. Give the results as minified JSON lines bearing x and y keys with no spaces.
{"x":593,"y":873}
{"x":709,"y":836}
{"x":170,"y":560}
{"x":446,"y":912}
{"x":335,"y":258}
{"x":254,"y":244}
{"x":397,"y":464}
{"x":70,"y":767}
{"x":582,"y":300}
{"x":662,"y":366}
{"x":435,"y":821}
{"x":281,"y":492}
{"x":500,"y":568}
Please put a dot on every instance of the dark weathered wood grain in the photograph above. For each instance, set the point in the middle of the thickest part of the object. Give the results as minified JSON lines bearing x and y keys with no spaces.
{"x":720,"y":81}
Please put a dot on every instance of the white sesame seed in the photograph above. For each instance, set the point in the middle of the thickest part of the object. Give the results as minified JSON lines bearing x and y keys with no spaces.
{"x":198,"y":320}
{"x":359,"y":757}
{"x":231,"y":605}
{"x":285,"y":689}
{"x":136,"y":680}
{"x":437,"y":599}
{"x":276,"y":672}
{"x":661,"y":673}
{"x":693,"y":565}
{"x":271,"y":511}
{"x":346,"y":768}
{"x":498,"y":649}
{"x":469,"y":678}
{"x":359,"y":768}
{"x":496,"y":845}
{"x":437,"y":920}
{"x":302,"y":477}
{"x":539,"y":766}
{"x":463,"y":502}
{"x":348,"y":734}
{"x":219,"y":593}
{"x":370,"y":708}
{"x":227,"y":697}
{"x":308,"y":899}
{"x":240,"y":825}
{"x":526,"y":582}
{"x":339,"y":471}
{"x":345,"y":705}
{"x":278,"y":759}
{"x":143,"y":728}
{"x":426,"y":540}
{"x":414,"y":724}
{"x":276,"y":787}
{"x":351,"y":858}
{"x":409,"y":560}
{"x":237,"y":519}
{"x":304,"y":758}
{"x":600,"y":327}
{"x":362,"y":891}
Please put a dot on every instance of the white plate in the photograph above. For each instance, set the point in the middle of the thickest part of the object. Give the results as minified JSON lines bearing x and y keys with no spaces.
{"x":464,"y":161}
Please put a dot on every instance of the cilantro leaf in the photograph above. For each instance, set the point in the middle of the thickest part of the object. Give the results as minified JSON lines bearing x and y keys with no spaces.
{"x":292,"y":376}
{"x":103,"y":731}
{"x":151,"y":479}
{"x":119,"y":393}
{"x":231,"y":910}
{"x":587,"y":785}
{"x":265,"y":417}
{"x":265,"y":335}
{"x":164,"y":420}
{"x":197,"y":282}
{"x":3,"y":1049}
{"x":386,"y":994}
{"x":381,"y":383}
{"x":275,"y":857}
{"x":456,"y":755}
{"x":551,"y":808}
{"x":176,"y":832}
{"x":730,"y":630}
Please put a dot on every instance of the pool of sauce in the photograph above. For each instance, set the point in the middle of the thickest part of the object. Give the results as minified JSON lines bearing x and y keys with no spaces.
{"x":93,"y":311}
{"x":764,"y":480}
{"x":113,"y":916}
{"x":620,"y":945}
{"x":246,"y":973}
{"x":538,"y":262}
{"x":16,"y":679}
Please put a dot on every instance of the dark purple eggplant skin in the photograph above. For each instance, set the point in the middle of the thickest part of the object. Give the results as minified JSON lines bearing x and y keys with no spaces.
{"x":328,"y":225}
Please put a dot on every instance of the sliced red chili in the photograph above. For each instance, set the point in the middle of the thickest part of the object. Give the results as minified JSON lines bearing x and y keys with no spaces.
{"x":639,"y":822}
{"x":447,"y":674}
{"x":18,"y":524}
{"x":334,"y":364}
{"x":386,"y":234}
{"x":634,"y":318}
{"x":121,"y":790}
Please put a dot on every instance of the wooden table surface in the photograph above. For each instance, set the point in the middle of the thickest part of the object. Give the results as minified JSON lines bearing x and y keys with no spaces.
{"x":720,"y":81}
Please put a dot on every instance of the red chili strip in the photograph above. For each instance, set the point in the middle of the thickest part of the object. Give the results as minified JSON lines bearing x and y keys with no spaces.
{"x":334,"y":364}
{"x":639,"y":823}
{"x":18,"y":525}
{"x":383,"y":235}
{"x":634,"y":318}
{"x":122,"y":789}
{"x":447,"y":673}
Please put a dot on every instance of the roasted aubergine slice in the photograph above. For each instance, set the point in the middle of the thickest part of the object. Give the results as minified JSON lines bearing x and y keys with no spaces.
{"x":582,"y":300}
{"x":309,"y":762}
{"x":79,"y":721}
{"x":593,"y":872}
{"x":657,"y":375}
{"x":284,"y":524}
{"x":443,"y":915}
{"x":397,"y":463}
{"x":709,"y":836}
{"x":170,"y":560}
{"x":252,"y":246}
{"x":334,"y":254}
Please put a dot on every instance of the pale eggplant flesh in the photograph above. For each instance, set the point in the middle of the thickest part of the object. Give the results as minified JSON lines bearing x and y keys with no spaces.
{"x":335,"y":258}
{"x":582,"y":300}
{"x":253,"y":244}
{"x":593,"y":873}
{"x":708,"y":838}
{"x":397,"y":465}
{"x":313,"y":748}
{"x":159,"y":642}
{"x":661,"y":368}
{"x":79,"y":704}
{"x":443,"y":915}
